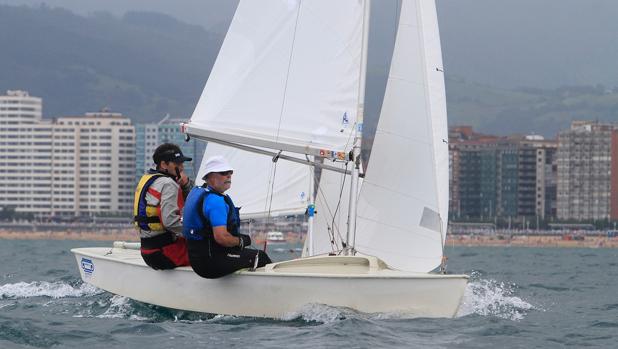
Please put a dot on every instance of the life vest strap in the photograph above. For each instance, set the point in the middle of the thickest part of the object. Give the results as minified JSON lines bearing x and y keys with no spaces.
{"x":146,"y":219}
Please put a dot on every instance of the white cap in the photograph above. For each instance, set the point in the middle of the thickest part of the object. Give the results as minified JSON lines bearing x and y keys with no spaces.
{"x":216,"y":164}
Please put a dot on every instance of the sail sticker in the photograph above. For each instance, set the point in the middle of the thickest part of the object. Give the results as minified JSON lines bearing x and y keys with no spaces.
{"x":430,"y":220}
{"x":359,"y":127}
{"x":331,"y":154}
{"x":302,"y":196}
{"x":87,"y":266}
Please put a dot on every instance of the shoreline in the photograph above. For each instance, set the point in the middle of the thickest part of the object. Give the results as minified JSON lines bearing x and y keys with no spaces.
{"x":530,"y":241}
{"x":468,"y":240}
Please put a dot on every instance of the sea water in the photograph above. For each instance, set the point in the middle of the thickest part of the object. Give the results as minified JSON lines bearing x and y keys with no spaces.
{"x":517,"y":298}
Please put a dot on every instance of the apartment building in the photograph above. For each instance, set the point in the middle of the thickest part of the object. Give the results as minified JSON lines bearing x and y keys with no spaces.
{"x":25,"y":154}
{"x":586,"y":190}
{"x":71,"y":166}
{"x":501,"y":176}
{"x":93,"y":163}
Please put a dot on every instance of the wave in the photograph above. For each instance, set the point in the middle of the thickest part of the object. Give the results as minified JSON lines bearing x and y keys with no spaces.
{"x":320,"y":313}
{"x":492,"y":298}
{"x":46,"y":289}
{"x":121,"y":308}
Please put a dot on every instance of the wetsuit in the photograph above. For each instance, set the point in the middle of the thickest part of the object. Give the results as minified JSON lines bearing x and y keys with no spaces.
{"x":205,"y":209}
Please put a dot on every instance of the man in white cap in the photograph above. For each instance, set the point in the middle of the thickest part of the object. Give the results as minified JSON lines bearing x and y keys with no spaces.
{"x":211,"y":225}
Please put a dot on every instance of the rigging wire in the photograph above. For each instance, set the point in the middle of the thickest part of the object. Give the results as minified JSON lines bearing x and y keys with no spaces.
{"x":332,"y":227}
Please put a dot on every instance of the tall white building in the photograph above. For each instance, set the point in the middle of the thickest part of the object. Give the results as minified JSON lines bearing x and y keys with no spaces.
{"x":18,"y":108}
{"x":25,"y":154}
{"x":94,"y":164}
{"x":75,"y":165}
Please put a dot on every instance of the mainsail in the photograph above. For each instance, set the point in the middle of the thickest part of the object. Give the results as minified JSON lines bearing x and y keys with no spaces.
{"x":286,"y":78}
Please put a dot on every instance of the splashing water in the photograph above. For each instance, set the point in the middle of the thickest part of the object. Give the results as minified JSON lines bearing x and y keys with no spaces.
{"x":120,"y":308}
{"x":492,"y":298}
{"x":46,"y":289}
{"x":317,"y":313}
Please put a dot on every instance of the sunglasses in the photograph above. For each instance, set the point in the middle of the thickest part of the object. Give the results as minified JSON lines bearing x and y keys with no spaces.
{"x":226,"y":173}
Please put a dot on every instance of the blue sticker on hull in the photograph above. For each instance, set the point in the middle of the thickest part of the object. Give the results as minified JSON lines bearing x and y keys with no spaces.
{"x":87,"y":266}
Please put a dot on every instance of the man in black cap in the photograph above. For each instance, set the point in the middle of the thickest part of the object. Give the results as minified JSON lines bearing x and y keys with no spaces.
{"x":157,"y":210}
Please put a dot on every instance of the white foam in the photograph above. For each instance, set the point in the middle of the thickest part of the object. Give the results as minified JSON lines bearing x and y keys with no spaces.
{"x":316,"y":313}
{"x":120,"y":308}
{"x":493,"y":298}
{"x":46,"y":289}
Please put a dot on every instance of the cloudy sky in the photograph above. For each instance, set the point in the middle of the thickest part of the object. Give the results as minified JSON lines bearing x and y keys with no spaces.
{"x":506,"y":43}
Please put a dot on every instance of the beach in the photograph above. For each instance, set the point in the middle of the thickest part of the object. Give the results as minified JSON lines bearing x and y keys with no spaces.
{"x":522,"y":240}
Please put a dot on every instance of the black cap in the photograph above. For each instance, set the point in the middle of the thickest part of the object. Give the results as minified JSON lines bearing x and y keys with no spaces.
{"x":169,"y":152}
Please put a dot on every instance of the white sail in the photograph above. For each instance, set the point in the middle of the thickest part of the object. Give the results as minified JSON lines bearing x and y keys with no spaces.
{"x":260,"y":187}
{"x":402,"y":209}
{"x":286,"y":77}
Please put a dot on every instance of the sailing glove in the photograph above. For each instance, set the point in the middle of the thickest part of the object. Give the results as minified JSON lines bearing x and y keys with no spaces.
{"x":244,"y":240}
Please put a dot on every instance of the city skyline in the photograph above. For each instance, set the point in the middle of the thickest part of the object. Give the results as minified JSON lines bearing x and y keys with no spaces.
{"x":491,"y":177}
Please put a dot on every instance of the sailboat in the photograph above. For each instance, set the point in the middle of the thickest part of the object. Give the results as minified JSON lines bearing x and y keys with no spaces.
{"x":285,"y":104}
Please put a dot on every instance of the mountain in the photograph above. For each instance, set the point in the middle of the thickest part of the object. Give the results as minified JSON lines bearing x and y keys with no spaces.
{"x":527,"y":110}
{"x":146,"y":64}
{"x":142,"y":64}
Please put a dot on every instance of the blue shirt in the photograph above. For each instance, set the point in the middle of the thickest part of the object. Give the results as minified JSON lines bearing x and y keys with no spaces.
{"x":214,"y":208}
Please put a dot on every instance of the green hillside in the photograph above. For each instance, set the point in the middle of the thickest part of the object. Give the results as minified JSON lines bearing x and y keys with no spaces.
{"x":144,"y":64}
{"x":527,"y":110}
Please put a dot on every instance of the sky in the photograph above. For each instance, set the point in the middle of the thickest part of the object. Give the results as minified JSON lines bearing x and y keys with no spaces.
{"x":503,"y":43}
{"x":189,"y":11}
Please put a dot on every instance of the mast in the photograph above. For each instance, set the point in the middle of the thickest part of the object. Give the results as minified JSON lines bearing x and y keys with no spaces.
{"x":351,"y":231}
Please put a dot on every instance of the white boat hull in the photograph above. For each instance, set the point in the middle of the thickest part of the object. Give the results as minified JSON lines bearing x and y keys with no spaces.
{"x":277,"y":290}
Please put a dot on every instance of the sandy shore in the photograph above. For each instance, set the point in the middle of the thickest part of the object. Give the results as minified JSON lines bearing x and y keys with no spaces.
{"x":453,"y":240}
{"x":111,"y":235}
{"x":531,"y":241}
